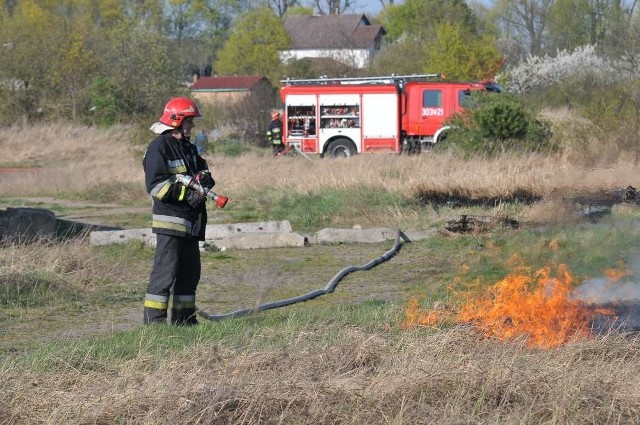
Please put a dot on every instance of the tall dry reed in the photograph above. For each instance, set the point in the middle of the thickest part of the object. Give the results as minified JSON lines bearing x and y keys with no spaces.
{"x":65,"y":158}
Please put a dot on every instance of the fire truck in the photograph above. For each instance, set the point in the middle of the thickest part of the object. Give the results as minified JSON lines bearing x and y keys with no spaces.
{"x":340,"y":117}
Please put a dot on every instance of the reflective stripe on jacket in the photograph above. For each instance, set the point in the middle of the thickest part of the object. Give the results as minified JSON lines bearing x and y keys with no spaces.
{"x":274,"y":132}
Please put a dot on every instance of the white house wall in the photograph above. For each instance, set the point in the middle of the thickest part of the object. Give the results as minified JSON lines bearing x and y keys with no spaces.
{"x":358,"y":58}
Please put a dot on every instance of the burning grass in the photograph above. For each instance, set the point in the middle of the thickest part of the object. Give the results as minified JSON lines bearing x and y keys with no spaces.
{"x":547,"y":307}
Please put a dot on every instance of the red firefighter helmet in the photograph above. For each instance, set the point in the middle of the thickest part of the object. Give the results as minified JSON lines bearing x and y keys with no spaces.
{"x":177,"y":109}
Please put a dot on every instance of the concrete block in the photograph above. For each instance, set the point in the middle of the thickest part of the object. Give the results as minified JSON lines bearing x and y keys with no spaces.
{"x":418,"y":235}
{"x":256,"y":241}
{"x":374,"y":235}
{"x":217,"y":231}
{"x":108,"y":237}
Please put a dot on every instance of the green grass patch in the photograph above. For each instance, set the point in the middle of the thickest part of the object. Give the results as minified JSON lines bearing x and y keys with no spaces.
{"x":587,"y":250}
{"x":266,"y":330}
{"x":229,"y":147}
{"x":315,"y":210}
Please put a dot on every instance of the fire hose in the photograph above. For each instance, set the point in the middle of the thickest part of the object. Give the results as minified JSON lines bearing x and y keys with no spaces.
{"x":329,"y":288}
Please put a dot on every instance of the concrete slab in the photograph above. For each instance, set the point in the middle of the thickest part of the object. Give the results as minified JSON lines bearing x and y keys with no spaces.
{"x":216,"y":231}
{"x":256,"y":241}
{"x":108,"y":237}
{"x":374,"y":235}
{"x":418,"y":235}
{"x":271,"y":234}
{"x":213,"y":231}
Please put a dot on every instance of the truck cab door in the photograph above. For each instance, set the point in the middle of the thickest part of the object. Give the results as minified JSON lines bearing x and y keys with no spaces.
{"x":427,"y":107}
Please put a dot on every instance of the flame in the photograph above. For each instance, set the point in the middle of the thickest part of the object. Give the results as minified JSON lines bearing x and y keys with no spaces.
{"x":537,"y":306}
{"x":614,"y":275}
{"x":415,"y":316}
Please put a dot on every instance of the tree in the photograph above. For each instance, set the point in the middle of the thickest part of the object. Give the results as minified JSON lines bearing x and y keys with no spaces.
{"x":524,"y":22}
{"x":139,"y":64}
{"x":282,"y":7}
{"x":254,"y":45}
{"x":30,"y":36}
{"x":418,"y":18}
{"x":201,"y":27}
{"x":461,"y":55}
{"x":332,"y":7}
{"x":433,"y":36}
{"x":402,"y":57}
{"x":603,"y":23}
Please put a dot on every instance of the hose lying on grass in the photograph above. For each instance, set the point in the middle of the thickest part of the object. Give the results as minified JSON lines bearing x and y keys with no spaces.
{"x":330,"y":287}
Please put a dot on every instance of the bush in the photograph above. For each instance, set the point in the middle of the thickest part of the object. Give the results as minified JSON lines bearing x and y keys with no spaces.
{"x":502,"y":121}
{"x":230,"y":145}
{"x":496,"y":123}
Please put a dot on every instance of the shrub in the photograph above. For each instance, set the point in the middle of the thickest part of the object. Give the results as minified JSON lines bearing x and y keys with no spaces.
{"x":230,"y":145}
{"x":502,"y":121}
{"x":496,"y":123}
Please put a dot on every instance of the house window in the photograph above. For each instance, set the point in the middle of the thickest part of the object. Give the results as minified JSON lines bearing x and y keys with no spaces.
{"x":432,"y":98}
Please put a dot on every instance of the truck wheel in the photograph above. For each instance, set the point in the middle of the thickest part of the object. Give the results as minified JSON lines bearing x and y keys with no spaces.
{"x":341,"y":148}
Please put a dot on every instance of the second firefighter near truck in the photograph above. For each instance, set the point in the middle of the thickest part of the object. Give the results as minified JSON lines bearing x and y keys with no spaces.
{"x":173,"y":172}
{"x":274,"y":133}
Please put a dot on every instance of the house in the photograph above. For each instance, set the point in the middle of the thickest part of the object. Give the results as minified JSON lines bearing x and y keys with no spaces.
{"x":230,"y":89}
{"x":349,"y":39}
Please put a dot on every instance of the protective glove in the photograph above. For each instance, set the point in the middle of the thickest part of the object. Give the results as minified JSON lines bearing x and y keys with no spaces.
{"x":205,"y":179}
{"x":194,"y":199}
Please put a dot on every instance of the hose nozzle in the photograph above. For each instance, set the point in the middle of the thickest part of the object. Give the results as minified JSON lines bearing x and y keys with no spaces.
{"x":220,"y":200}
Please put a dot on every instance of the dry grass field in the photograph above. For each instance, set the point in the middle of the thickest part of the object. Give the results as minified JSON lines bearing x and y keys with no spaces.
{"x":73,"y":351}
{"x":104,"y":166}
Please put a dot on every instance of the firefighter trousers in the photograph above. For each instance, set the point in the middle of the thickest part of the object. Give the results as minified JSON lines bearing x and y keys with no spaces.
{"x":176,"y":270}
{"x":276,"y":148}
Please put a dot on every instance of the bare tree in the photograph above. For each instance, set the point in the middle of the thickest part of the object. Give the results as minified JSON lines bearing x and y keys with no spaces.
{"x":332,"y":7}
{"x":524,"y":19}
{"x":280,"y":7}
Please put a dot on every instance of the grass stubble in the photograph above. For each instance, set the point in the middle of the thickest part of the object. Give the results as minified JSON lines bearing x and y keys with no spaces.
{"x":329,"y":361}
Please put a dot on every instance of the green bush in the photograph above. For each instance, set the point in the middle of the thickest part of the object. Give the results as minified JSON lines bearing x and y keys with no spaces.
{"x":231,"y":145}
{"x":497,"y":123}
{"x":502,"y":121}
{"x":106,"y":106}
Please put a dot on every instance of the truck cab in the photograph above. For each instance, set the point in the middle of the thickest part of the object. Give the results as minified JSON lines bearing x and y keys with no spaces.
{"x":427,"y":106}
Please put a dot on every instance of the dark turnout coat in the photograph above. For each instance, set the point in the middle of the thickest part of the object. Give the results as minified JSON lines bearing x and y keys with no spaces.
{"x":165,"y":158}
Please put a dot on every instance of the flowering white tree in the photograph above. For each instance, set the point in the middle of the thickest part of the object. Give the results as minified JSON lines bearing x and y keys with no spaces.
{"x":540,"y":72}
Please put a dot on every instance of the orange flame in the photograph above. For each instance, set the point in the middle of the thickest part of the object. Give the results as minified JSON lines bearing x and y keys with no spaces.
{"x":415,"y":316}
{"x":614,"y":275}
{"x":536,"y":306}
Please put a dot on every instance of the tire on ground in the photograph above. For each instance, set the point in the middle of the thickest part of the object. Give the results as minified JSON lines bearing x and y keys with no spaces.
{"x":341,"y":148}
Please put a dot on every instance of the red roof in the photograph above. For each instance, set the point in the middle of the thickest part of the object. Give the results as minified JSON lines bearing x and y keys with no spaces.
{"x":226,"y":83}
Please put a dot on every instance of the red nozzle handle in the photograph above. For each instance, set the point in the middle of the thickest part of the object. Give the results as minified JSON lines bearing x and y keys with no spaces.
{"x":220,"y":200}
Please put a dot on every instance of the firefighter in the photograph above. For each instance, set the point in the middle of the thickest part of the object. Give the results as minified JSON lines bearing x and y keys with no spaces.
{"x":274,"y":133}
{"x":179,"y":214}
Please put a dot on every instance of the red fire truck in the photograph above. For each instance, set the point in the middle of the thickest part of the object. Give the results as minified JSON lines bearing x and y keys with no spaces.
{"x":346,"y":116}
